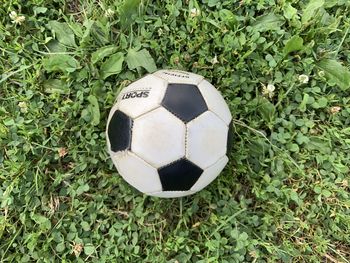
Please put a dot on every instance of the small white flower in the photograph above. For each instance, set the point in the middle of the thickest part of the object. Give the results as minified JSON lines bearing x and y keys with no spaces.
{"x":23,"y":106}
{"x":335,"y":109}
{"x":19,"y":20}
{"x":13,"y":15}
{"x":109,"y":12}
{"x":160,"y":32}
{"x":194,"y":12}
{"x":214,"y":60}
{"x":268,"y":90}
{"x":303,"y":79}
{"x":345,"y":183}
{"x":16,"y":19}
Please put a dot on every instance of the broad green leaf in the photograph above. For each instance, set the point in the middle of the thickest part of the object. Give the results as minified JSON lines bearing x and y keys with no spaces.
{"x":293,"y":44}
{"x":100,"y":33}
{"x":326,"y":193}
{"x":293,"y":147}
{"x":336,"y":72}
{"x":212,"y":3}
{"x":320,"y":103}
{"x":42,"y":221}
{"x":86,"y":35}
{"x":311,"y":9}
{"x":95,"y":114}
{"x":39,"y":10}
{"x":258,"y":147}
{"x":113,"y":65}
{"x":85,"y":187}
{"x":39,"y":219}
{"x":85,"y":225}
{"x":89,"y":249}
{"x":289,"y":11}
{"x":31,"y":240}
{"x":227,"y":17}
{"x":330,"y":3}
{"x":77,"y":29}
{"x":299,"y":122}
{"x":102,"y":52}
{"x":341,"y":168}
{"x":60,"y":247}
{"x":54,"y":46}
{"x":60,"y":62}
{"x":55,"y":86}
{"x":3,"y":131}
{"x":318,"y":144}
{"x":302,"y":106}
{"x":9,"y":122}
{"x":129,"y":8}
{"x":140,"y":58}
{"x":63,"y":33}
{"x":294,"y":196}
{"x":212,"y":21}
{"x":317,"y":189}
{"x":345,"y":131}
{"x":266,"y":109}
{"x":302,"y":139}
{"x":268,"y":22}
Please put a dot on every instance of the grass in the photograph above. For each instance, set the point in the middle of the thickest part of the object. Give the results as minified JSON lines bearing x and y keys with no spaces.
{"x":284,"y":196}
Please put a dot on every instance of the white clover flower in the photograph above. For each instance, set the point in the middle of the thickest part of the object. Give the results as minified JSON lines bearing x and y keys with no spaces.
{"x":62,"y":151}
{"x":16,"y":19}
{"x":303,"y":79}
{"x":270,"y":87}
{"x":19,"y":20}
{"x":23,"y":106}
{"x":194,"y":12}
{"x":160,"y":32}
{"x":214,"y":60}
{"x":335,"y":109}
{"x":268,"y":90}
{"x":109,"y":12}
{"x":13,"y":15}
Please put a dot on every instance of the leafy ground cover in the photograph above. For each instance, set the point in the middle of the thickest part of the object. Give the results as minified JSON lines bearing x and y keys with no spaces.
{"x":283,"y":68}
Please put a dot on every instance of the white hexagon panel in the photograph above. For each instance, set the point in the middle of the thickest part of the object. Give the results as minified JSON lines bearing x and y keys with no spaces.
{"x":215,"y":101}
{"x":142,"y":96}
{"x":158,"y":137}
{"x":178,"y":76}
{"x":137,"y":172}
{"x":206,"y":139}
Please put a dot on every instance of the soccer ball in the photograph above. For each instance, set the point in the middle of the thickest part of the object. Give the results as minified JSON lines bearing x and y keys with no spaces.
{"x":168,"y":133}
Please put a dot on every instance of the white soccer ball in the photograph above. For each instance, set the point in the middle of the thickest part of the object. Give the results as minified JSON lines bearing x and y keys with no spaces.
{"x":168,"y":133}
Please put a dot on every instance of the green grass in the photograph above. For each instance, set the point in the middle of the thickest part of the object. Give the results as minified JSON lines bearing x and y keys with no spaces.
{"x":283,"y":197}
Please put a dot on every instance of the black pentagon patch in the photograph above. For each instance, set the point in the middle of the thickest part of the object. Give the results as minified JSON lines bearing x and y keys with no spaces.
{"x":179,"y":176}
{"x":184,"y":101}
{"x":229,"y":139}
{"x":119,"y":131}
